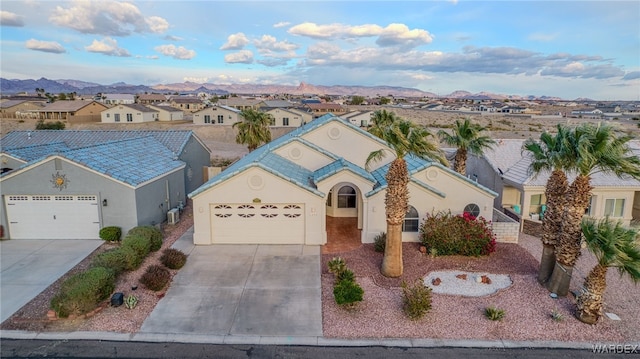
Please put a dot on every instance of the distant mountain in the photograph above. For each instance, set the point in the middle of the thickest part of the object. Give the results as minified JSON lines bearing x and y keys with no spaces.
{"x":90,"y":88}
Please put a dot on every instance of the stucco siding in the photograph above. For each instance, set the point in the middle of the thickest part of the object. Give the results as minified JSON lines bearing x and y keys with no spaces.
{"x":156,"y":198}
{"x":197,"y":157}
{"x":10,"y":162}
{"x":304,"y":156}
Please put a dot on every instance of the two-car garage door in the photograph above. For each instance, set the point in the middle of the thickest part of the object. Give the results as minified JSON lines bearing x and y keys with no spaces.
{"x":257,"y":223}
{"x":53,"y":216}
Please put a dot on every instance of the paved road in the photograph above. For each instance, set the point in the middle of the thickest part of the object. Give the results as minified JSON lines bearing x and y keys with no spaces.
{"x":29,"y":266}
{"x":105,"y":349}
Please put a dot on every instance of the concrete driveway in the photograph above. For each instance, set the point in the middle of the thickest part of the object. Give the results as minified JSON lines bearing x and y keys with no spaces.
{"x":29,"y":266}
{"x":242,"y":290}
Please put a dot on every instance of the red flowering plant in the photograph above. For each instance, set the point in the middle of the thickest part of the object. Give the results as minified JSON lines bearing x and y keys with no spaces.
{"x":445,"y":234}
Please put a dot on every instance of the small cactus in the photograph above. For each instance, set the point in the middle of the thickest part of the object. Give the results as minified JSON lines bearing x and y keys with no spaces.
{"x":131,"y":301}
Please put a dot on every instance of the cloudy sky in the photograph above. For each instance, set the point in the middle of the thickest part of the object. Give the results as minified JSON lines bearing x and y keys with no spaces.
{"x":568,"y":49}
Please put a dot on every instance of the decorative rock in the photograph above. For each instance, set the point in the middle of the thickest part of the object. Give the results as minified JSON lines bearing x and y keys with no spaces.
{"x":479,"y":279}
{"x":423,"y":249}
{"x":72,"y":317}
{"x":462,"y":276}
{"x":485,"y":279}
{"x":52,"y":315}
{"x":436,"y":281}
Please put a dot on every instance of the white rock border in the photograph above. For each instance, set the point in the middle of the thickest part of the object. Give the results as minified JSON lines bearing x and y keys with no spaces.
{"x":471,"y":287}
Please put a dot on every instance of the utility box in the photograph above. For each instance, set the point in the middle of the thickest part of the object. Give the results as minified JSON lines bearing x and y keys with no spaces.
{"x":173,"y":216}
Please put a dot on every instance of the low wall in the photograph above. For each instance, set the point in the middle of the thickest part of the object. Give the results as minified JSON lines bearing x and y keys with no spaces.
{"x":531,"y":227}
{"x":505,"y":228}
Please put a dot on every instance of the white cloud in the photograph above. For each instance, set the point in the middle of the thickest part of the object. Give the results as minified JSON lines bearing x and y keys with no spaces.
{"x":198,"y":80}
{"x":392,"y":35}
{"x":400,"y":35}
{"x":235,"y":42}
{"x":110,"y":18}
{"x":281,"y":24}
{"x":107,"y":46}
{"x":269,"y":42}
{"x":10,"y":19}
{"x":243,"y":57}
{"x":177,"y":52}
{"x":45,"y":46}
{"x":173,"y":38}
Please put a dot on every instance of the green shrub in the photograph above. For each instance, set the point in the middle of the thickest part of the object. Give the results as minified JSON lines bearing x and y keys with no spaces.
{"x":110,"y":234}
{"x":153,"y":234}
{"x":494,"y":313}
{"x":346,"y":274}
{"x":379,"y":242}
{"x":115,"y":259}
{"x":416,"y":299}
{"x":41,"y":125}
{"x":141,"y":245}
{"x":446,"y":234}
{"x":173,"y":258}
{"x":156,"y":277}
{"x":82,"y":292}
{"x":347,"y":292}
{"x":337,"y":265}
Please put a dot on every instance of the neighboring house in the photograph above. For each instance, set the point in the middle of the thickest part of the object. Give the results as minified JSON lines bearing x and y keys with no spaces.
{"x":151,"y":99}
{"x":587,"y":113}
{"x":72,"y":111}
{"x":321,"y":109}
{"x":69,"y":184}
{"x":283,"y":117}
{"x":505,"y":169}
{"x":285,"y":191}
{"x":189,"y":104}
{"x":271,"y":104}
{"x":240,"y":103}
{"x":20,"y":108}
{"x":359,"y":118}
{"x":217,"y":115}
{"x":167,"y":113}
{"x":118,"y":99}
{"x":133,"y":113}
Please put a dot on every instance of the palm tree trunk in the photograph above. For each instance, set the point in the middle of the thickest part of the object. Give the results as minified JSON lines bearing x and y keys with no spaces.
{"x":589,"y":302}
{"x":555,"y":192}
{"x":460,"y":164}
{"x":568,"y":247}
{"x":396,"y":202}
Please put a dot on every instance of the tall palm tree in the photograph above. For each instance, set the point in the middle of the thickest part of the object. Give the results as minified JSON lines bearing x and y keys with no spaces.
{"x":380,"y":121}
{"x":404,"y":138}
{"x":253,"y":130}
{"x":466,"y":137}
{"x":551,"y":154}
{"x":598,"y":148}
{"x":615,"y":247}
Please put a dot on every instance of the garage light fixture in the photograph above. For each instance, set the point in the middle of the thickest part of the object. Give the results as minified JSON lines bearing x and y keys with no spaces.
{"x":104,"y":202}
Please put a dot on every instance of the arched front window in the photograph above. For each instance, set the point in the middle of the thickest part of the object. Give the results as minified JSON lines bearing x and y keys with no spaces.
{"x":347,"y":197}
{"x":411,"y":220}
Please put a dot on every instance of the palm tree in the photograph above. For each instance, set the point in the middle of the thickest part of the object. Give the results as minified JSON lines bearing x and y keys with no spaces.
{"x":253,"y":130}
{"x":404,"y":138}
{"x":597,"y":148}
{"x":551,"y":154}
{"x":466,"y":137}
{"x":614,"y":246}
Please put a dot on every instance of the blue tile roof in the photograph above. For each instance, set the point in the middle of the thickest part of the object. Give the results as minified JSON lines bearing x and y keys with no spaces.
{"x":339,"y":165}
{"x":33,"y":152}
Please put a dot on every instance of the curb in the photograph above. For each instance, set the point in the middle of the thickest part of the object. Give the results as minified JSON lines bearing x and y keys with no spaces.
{"x":293,"y":340}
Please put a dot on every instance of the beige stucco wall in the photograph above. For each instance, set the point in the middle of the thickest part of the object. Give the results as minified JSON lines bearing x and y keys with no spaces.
{"x":295,"y":120}
{"x":108,"y":116}
{"x":303,"y":155}
{"x":602,"y":194}
{"x":230,"y":117}
{"x":274,"y":190}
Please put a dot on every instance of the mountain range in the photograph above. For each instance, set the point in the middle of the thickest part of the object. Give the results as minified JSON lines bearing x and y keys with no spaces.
{"x":89,"y":88}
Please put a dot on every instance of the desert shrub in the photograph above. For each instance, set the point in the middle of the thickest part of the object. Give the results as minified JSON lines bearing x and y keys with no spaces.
{"x":379,"y":242}
{"x":416,"y":299}
{"x":446,"y":234}
{"x":141,"y":245}
{"x":337,"y":265}
{"x":173,"y":258}
{"x":110,"y":234}
{"x":347,"y":292}
{"x":41,"y":125}
{"x":117,"y":260}
{"x":153,"y":234}
{"x":155,"y":278}
{"x":131,"y":301}
{"x":346,"y":274}
{"x":493,"y":313}
{"x":82,"y":292}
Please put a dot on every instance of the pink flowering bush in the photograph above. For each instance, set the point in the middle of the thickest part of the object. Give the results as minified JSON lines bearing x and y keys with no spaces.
{"x":445,"y":234}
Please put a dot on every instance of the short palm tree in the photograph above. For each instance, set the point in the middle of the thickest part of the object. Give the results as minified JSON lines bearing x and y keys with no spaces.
{"x":615,"y":247}
{"x":253,"y":130}
{"x":551,"y":154}
{"x":598,"y":148}
{"x":404,"y":138}
{"x":466,"y":137}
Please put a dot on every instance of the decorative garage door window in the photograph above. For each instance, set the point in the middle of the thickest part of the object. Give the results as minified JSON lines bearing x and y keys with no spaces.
{"x":260,"y":211}
{"x":246,"y":211}
{"x":292,"y":211}
{"x":268,"y":211}
{"x":222,"y":211}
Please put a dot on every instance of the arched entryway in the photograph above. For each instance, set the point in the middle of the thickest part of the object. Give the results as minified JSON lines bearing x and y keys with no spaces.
{"x":343,"y":218}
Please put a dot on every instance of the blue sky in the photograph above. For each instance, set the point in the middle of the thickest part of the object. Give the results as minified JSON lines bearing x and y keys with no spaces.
{"x":568,"y":49}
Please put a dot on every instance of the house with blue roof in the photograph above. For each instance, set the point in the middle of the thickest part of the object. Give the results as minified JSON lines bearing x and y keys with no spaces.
{"x":293,"y":189}
{"x":70,"y":184}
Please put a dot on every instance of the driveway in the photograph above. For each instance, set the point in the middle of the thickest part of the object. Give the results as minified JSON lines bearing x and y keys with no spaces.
{"x":251,"y":290}
{"x":29,"y":266}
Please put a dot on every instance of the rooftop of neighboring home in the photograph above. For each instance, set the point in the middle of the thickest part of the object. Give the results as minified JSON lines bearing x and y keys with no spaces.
{"x":11,"y":103}
{"x":277,"y":104}
{"x":138,"y":107}
{"x":185,"y":99}
{"x":118,"y":96}
{"x":67,"y":106}
{"x":239,"y":101}
{"x":152,"y":97}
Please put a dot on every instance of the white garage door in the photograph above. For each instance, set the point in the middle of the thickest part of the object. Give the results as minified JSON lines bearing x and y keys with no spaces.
{"x":53,"y":216}
{"x":257,"y":223}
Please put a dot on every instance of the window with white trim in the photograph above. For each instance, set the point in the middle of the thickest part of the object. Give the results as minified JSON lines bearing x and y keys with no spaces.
{"x":220,"y":118}
{"x":614,"y":207}
{"x":207,"y":118}
{"x":116,"y":117}
{"x":285,"y":121}
{"x":129,"y":117}
{"x":347,"y":197}
{"x":411,"y":221}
